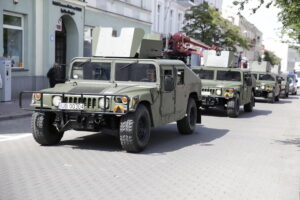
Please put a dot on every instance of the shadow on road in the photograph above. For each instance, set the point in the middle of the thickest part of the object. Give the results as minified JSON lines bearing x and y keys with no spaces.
{"x":163,"y":139}
{"x":295,"y":142}
{"x":222,"y":113}
{"x":293,"y":97}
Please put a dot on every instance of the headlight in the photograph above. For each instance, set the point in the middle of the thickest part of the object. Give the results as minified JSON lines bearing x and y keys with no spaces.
{"x":101,"y":103}
{"x":124,"y":100}
{"x":56,"y":100}
{"x":262,"y":87}
{"x":219,"y":92}
{"x":256,"y":88}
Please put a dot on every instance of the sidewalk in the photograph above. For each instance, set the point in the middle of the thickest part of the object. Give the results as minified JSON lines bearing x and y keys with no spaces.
{"x":11,"y":110}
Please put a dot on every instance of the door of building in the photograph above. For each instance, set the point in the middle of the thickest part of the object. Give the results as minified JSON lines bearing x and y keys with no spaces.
{"x":61,"y":48}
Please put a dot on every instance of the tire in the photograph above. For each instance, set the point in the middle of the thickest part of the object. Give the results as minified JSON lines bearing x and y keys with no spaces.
{"x":233,"y":107}
{"x":43,"y":130}
{"x":135,"y":130}
{"x":187,"y":124}
{"x":249,"y":106}
{"x":277,"y":98}
{"x":271,"y":97}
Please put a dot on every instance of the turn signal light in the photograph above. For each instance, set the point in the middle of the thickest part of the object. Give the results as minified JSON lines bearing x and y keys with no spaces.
{"x":37,"y":96}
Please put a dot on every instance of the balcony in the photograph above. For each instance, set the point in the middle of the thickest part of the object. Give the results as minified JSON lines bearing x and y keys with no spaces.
{"x":187,"y":3}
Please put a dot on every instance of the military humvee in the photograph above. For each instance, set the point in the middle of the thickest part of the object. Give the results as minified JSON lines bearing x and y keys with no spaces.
{"x":267,"y":86}
{"x":227,"y":87}
{"x":223,"y":85}
{"x":128,"y":95}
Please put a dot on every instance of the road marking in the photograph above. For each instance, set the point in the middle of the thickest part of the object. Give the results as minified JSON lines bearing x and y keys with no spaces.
{"x":4,"y":138}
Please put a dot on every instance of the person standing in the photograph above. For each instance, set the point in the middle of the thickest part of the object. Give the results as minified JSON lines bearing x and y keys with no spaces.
{"x":55,"y":75}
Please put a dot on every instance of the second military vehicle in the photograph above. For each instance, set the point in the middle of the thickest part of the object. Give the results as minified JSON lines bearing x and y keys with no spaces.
{"x":225,"y":86}
{"x":129,"y":95}
{"x":267,"y":83}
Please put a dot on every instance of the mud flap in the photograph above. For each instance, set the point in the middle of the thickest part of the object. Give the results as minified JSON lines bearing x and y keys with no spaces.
{"x":199,"y":120}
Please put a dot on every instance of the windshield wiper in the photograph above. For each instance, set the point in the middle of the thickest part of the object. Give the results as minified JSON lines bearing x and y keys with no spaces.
{"x":128,"y":65}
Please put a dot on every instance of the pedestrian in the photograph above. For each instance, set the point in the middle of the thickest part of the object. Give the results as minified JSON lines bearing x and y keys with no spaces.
{"x":55,"y":75}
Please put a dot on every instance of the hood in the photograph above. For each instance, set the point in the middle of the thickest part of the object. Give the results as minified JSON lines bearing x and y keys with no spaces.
{"x":258,"y":83}
{"x":99,"y":88}
{"x":221,"y":84}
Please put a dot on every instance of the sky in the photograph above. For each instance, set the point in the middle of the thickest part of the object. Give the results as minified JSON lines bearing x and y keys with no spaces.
{"x":266,"y":20}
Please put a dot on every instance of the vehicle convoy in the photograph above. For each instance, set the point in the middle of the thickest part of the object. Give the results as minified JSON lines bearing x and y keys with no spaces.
{"x":225,"y":86}
{"x":124,"y":95}
{"x":267,"y":83}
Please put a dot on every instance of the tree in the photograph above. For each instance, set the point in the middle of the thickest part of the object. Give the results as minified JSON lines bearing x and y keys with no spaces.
{"x":206,"y":24}
{"x":271,"y":57}
{"x":288,"y":16}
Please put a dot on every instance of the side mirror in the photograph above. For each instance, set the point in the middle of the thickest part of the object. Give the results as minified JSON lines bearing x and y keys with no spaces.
{"x":169,"y":83}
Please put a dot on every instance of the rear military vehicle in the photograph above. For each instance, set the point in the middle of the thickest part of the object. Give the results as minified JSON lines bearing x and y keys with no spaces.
{"x":267,"y":83}
{"x":128,"y":96}
{"x":225,"y":86}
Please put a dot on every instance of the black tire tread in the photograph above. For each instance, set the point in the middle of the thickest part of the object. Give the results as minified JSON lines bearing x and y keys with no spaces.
{"x":183,"y":125}
{"x":43,"y":131}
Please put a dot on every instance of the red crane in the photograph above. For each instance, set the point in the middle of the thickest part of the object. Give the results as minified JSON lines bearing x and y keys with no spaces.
{"x":180,"y":46}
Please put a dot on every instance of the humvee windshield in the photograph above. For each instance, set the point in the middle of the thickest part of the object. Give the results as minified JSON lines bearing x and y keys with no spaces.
{"x":135,"y":72}
{"x":91,"y":71}
{"x":205,"y":74}
{"x":266,"y":77}
{"x":228,"y":76}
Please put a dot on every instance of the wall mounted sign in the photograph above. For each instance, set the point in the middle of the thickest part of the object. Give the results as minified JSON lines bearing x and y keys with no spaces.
{"x":58,"y":26}
{"x":67,"y":8}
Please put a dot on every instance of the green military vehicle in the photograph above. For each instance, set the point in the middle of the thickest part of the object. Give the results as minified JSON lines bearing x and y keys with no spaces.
{"x":267,"y":82}
{"x":123,"y":95}
{"x":224,"y":85}
{"x":267,"y":86}
{"x":227,"y":87}
{"x":284,"y":85}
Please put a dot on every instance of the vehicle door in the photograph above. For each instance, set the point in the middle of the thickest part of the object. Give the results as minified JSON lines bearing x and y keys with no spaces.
{"x":247,"y":87}
{"x":180,"y":90}
{"x":167,"y":104}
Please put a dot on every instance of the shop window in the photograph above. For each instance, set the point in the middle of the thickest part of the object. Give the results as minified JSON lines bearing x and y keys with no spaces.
{"x":87,"y":51}
{"x":13,"y":31}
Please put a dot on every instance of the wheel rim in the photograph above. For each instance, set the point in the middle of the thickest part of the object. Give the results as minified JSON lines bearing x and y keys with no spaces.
{"x":142,"y":129}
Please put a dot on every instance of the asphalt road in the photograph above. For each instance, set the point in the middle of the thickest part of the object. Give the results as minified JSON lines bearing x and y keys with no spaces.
{"x":255,"y":156}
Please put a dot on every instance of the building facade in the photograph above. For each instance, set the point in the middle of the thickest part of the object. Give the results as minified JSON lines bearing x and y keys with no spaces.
{"x":168,"y":15}
{"x":35,"y":34}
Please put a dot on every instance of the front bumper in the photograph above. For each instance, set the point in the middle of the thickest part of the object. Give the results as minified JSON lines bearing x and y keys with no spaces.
{"x":213,"y":101}
{"x":41,"y":107}
{"x":262,"y":93}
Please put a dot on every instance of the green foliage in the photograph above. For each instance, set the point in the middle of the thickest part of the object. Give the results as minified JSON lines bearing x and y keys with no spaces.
{"x":288,"y":16}
{"x":206,"y":24}
{"x":272,"y":58}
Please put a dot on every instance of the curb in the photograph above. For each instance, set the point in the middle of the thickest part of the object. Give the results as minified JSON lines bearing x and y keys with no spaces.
{"x":8,"y":117}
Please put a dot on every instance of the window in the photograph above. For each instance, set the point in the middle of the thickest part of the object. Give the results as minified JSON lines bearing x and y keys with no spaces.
{"x":91,"y":70}
{"x":266,"y":77}
{"x":180,"y":76}
{"x":158,"y":18}
{"x":228,"y":76}
{"x":179,"y":22}
{"x":13,"y":31}
{"x":135,"y":72}
{"x":87,"y":48}
{"x":171,"y":21}
{"x":205,"y":74}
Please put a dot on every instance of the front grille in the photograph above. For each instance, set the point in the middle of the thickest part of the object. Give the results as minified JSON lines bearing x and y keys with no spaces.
{"x":89,"y":102}
{"x":210,"y":90}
